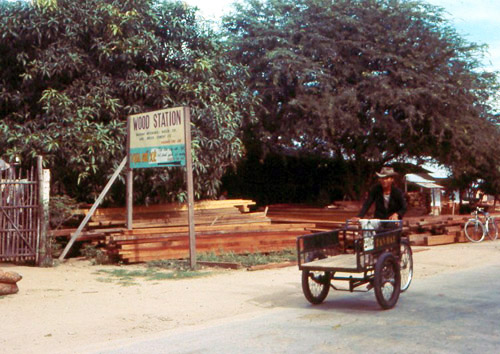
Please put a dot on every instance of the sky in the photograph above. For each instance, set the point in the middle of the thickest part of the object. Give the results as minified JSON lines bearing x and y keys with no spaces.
{"x":477,"y":21}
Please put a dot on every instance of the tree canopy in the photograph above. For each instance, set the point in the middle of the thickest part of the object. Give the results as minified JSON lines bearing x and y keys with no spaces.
{"x":360,"y":82}
{"x":72,"y":71}
{"x":367,"y":80}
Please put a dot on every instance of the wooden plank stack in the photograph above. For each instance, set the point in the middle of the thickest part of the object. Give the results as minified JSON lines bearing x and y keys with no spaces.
{"x":141,"y":245}
{"x":422,"y":230}
{"x":161,"y":232}
{"x":110,"y":220}
{"x":327,"y":218}
{"x":435,"y":230}
{"x":206,"y":212}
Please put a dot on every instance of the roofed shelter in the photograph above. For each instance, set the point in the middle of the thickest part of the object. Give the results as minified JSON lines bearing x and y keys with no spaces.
{"x":425,"y":181}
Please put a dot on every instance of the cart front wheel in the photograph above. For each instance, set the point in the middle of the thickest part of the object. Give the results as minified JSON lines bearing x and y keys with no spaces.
{"x":387,"y":282}
{"x":406,"y":265}
{"x":315,"y":285}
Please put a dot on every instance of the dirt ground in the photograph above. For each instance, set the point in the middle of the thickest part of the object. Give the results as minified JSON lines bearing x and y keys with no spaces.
{"x":74,"y":307}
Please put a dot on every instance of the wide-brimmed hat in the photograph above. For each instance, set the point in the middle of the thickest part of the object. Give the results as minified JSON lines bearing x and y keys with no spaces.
{"x":386,"y":172}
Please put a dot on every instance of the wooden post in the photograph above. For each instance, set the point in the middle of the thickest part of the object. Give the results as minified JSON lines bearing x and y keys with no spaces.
{"x":190,"y":189}
{"x":93,"y":209}
{"x":44,"y":256}
{"x":130,"y":197}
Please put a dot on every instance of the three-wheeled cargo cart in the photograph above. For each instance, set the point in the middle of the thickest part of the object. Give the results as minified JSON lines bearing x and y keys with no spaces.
{"x":366,"y":254}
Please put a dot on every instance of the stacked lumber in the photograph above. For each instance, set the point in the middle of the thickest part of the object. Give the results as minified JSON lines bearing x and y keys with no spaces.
{"x":161,"y":231}
{"x":8,"y":282}
{"x":325,"y":218}
{"x":110,"y":220}
{"x":424,"y":230}
{"x":206,"y":212}
{"x":435,"y":230}
{"x":142,"y":245}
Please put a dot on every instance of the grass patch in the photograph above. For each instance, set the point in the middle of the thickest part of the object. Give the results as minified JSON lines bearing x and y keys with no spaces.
{"x":158,"y":270}
{"x":180,"y":269}
{"x":104,"y":280}
{"x":249,"y":259}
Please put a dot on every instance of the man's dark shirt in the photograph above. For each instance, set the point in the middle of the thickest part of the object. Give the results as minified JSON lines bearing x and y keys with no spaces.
{"x":397,"y":203}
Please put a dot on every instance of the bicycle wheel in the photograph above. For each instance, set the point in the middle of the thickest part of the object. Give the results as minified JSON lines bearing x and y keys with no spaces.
{"x":406,"y":265}
{"x":474,"y":230}
{"x":492,"y":228}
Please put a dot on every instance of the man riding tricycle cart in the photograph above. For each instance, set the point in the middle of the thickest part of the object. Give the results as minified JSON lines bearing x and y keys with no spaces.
{"x":366,"y":253}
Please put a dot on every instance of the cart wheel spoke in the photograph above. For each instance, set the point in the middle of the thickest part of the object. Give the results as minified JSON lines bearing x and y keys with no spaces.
{"x":406,"y":265}
{"x":388,"y":290}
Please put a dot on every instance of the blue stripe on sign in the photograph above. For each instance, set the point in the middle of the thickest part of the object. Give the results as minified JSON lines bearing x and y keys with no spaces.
{"x":158,"y":156}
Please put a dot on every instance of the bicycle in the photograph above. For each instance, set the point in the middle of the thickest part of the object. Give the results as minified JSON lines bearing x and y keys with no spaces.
{"x":476,"y":230}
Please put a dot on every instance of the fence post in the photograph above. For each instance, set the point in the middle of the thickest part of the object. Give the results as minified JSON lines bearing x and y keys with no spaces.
{"x":44,"y":254}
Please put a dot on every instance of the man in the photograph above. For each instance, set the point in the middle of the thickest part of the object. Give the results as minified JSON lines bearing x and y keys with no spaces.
{"x":389,"y":200}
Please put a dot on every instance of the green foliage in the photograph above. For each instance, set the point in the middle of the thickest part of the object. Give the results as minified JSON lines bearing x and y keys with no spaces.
{"x":366,"y":80}
{"x":72,"y":71}
{"x":61,"y":210}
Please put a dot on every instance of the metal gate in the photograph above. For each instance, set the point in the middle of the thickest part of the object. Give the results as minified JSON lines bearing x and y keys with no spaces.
{"x":19,"y":215}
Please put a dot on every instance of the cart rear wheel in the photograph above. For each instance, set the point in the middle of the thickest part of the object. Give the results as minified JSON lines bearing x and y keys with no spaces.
{"x":315,"y":285}
{"x":387,"y":282}
{"x":406,"y":265}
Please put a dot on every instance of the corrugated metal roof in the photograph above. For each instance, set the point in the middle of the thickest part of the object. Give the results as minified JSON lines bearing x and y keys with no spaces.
{"x":428,"y":185}
{"x":415,"y":178}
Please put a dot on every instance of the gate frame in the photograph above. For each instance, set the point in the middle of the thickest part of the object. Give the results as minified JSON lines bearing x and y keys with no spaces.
{"x":29,"y":229}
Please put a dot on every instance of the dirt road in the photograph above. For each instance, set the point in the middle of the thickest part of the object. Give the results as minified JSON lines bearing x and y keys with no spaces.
{"x":75,"y":305}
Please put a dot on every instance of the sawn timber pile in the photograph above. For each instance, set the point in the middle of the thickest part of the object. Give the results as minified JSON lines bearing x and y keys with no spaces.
{"x":206,"y":212}
{"x":435,"y":230}
{"x":424,"y":230}
{"x":328,"y":218}
{"x":106,"y":221}
{"x":142,"y":245}
{"x":161,"y":231}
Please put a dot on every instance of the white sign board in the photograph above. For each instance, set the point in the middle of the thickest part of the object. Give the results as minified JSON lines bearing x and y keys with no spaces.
{"x":157,"y":139}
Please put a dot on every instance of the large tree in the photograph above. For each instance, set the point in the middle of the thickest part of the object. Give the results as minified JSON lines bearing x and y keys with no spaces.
{"x":72,"y":71}
{"x":366,"y":80}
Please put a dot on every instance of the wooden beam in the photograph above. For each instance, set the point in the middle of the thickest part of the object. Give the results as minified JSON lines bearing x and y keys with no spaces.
{"x":92,"y":210}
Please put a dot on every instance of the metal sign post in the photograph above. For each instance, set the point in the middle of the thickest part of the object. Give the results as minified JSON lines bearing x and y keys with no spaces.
{"x":162,"y":139}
